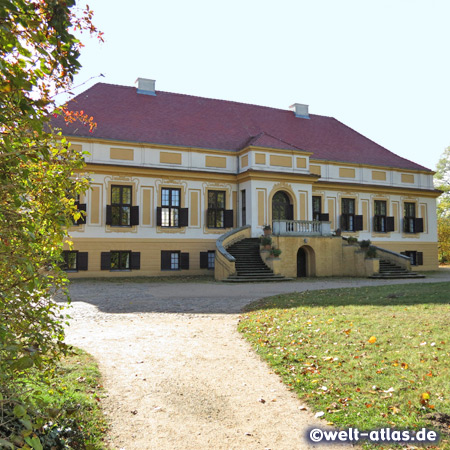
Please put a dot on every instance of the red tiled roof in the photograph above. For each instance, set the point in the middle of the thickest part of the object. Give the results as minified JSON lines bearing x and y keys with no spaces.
{"x":182,"y":120}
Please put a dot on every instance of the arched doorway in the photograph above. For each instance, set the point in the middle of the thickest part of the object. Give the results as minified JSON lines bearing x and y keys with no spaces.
{"x":281,"y":207}
{"x":302,"y":261}
{"x":306,"y":262}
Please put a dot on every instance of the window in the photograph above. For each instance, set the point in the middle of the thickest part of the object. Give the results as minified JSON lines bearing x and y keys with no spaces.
{"x":317,"y":208}
{"x":118,"y":260}
{"x":174,"y":260}
{"x":416,"y":258}
{"x":243,"y":208}
{"x":348,"y":214}
{"x":121,"y":206}
{"x":73,"y":261}
{"x":216,"y":209}
{"x":207,"y":259}
{"x":211,"y":259}
{"x":379,"y":224}
{"x":170,"y":207}
{"x":409,"y":217}
{"x":70,"y":261}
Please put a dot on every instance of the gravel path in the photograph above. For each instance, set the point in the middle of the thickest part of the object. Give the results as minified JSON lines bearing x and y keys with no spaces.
{"x":178,"y":374}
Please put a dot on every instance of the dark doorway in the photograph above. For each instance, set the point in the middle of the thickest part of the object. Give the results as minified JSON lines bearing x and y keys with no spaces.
{"x":301,"y":263}
{"x":281,"y":207}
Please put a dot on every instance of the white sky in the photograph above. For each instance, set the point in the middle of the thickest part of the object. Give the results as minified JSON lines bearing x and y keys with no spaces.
{"x":382,"y":67}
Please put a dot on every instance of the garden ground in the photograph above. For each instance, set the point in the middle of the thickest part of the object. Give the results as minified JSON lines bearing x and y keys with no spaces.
{"x":178,"y":374}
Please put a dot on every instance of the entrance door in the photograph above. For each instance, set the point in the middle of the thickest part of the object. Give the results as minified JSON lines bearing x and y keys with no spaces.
{"x":301,"y":263}
{"x":281,"y":207}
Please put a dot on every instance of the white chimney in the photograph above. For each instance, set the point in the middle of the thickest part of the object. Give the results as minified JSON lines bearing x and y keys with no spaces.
{"x":300,"y":110}
{"x":145,"y":86}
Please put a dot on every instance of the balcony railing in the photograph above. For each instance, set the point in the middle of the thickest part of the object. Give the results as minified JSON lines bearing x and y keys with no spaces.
{"x":301,"y":228}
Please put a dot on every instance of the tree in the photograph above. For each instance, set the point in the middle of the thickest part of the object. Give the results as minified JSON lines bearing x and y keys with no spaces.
{"x":442,"y":182}
{"x":38,"y":169}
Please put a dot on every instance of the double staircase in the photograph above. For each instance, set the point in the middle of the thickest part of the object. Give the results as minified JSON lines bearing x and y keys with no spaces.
{"x":249,"y":265}
{"x":390,"y":271}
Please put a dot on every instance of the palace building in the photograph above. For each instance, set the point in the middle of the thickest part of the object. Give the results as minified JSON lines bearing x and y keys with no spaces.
{"x":178,"y":179}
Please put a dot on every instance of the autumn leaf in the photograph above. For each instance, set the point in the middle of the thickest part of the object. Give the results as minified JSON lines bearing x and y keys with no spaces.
{"x":372,"y":340}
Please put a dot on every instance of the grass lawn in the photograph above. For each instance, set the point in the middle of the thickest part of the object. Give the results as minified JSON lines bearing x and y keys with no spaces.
{"x":66,"y":412}
{"x":367,"y":357}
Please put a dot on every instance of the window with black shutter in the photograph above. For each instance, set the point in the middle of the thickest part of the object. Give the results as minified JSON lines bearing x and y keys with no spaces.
{"x":379,"y":219}
{"x":216,"y":210}
{"x":415,"y":257}
{"x":409,"y":217}
{"x":170,"y":260}
{"x":317,"y":207}
{"x":168,"y":215}
{"x":119,"y":260}
{"x":82,"y":208}
{"x":207,"y":259}
{"x":348,"y":214}
{"x":118,"y":213}
{"x":70,"y":261}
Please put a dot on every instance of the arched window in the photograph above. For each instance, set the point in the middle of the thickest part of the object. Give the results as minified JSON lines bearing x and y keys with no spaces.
{"x":281,"y":207}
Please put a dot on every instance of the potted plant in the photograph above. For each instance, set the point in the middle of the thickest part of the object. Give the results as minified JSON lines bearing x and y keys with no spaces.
{"x":352,"y":240}
{"x":267,"y":230}
{"x":365,"y":243}
{"x":275,"y":252}
{"x":266,"y":242}
{"x":371,"y":252}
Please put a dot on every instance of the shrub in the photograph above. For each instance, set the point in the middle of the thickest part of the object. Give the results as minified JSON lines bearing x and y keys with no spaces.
{"x":365,"y":243}
{"x":352,"y":240}
{"x":371,"y":252}
{"x":266,"y":240}
{"x":275,"y":252}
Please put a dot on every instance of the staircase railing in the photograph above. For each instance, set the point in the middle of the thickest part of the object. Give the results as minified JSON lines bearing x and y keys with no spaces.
{"x":224,"y":264}
{"x":301,"y":228}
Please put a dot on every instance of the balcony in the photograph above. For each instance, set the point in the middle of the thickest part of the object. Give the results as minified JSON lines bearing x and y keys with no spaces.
{"x":301,"y":228}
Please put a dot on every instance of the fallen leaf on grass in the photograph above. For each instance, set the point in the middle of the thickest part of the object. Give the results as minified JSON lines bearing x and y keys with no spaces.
{"x":372,"y":340}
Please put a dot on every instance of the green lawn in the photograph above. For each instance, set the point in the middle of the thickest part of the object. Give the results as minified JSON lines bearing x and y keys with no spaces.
{"x":366,"y":357}
{"x":64,"y":412}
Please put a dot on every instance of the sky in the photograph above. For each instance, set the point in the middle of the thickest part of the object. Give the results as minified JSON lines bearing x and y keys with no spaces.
{"x":381,"y":67}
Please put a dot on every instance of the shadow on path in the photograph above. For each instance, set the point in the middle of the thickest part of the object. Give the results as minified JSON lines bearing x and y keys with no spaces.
{"x":207,"y":298}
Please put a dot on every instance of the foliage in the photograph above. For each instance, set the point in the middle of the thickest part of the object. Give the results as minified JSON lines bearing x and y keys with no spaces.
{"x":442,"y":182}
{"x":39,"y":57}
{"x":275,"y":252}
{"x":267,"y":227}
{"x":352,"y":240}
{"x":266,"y":240}
{"x":443,"y":223}
{"x":365,"y":243}
{"x":365,"y":357}
{"x":64,"y":411}
{"x":371,"y":252}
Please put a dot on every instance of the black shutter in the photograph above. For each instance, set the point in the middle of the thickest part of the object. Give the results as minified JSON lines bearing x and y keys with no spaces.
{"x":418,"y":225}
{"x":165,"y":259}
{"x":290,"y":212}
{"x":419,"y":258}
{"x":82,"y":262}
{"x":184,"y":261}
{"x":105,"y":261}
{"x":390,"y":224}
{"x":184,"y":217}
{"x":203,"y":260}
{"x":158,"y":216}
{"x":358,"y":223}
{"x":108,"y":215}
{"x":134,"y":215}
{"x":135,"y":261}
{"x":228,"y":218}
{"x":82,"y":219}
{"x":325,"y":217}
